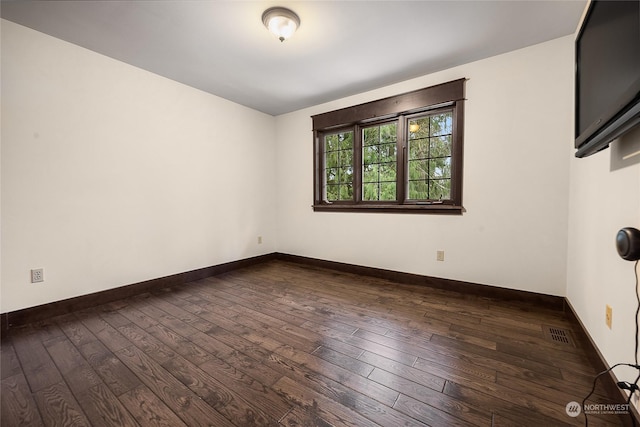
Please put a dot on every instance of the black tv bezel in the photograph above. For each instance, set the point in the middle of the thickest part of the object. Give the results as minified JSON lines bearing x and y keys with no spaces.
{"x":614,"y":121}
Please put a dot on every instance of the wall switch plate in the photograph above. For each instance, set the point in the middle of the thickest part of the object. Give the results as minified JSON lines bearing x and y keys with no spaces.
{"x":259,"y":240}
{"x":37,"y":275}
{"x":439,"y":255}
{"x":608,"y":316}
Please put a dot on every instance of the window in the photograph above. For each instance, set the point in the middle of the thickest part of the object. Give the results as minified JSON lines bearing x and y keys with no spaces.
{"x":402,"y":153}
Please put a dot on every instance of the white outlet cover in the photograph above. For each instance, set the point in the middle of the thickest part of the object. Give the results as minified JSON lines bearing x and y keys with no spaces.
{"x":37,"y":275}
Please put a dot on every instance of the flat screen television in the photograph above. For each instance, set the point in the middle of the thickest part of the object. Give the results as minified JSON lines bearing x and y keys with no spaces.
{"x":607,"y":102}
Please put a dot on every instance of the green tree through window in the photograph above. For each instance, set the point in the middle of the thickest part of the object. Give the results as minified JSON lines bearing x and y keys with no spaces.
{"x":429,"y":159}
{"x":379,"y":162}
{"x":338,"y":150}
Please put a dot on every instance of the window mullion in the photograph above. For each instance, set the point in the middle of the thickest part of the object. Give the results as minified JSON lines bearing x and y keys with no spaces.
{"x":357,"y":164}
{"x":401,"y":145}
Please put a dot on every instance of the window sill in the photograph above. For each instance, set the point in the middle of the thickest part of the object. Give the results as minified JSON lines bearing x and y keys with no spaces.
{"x":439,"y":209}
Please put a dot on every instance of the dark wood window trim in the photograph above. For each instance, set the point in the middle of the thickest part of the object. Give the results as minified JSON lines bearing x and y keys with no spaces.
{"x":447,"y":96}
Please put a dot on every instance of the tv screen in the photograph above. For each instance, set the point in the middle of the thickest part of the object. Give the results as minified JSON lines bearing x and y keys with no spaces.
{"x":607,"y":74}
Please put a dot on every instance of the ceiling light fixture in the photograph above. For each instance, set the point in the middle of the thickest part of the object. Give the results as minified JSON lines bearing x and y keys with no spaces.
{"x":281,"y":21}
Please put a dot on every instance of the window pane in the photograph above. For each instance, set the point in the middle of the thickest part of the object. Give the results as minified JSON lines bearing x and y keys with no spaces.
{"x":331,"y":142}
{"x":418,"y":190}
{"x":338,"y":165}
{"x":346,"y":157}
{"x":440,"y":189}
{"x":379,"y":156}
{"x":370,"y":154}
{"x":387,"y":191}
{"x":332,"y":192}
{"x":388,"y":133}
{"x":429,"y":165}
{"x":441,"y":124}
{"x":370,"y":192}
{"x":346,"y":175}
{"x":384,"y":191}
{"x":331,"y":175}
{"x":418,"y":170}
{"x":387,"y":172}
{"x":346,"y":192}
{"x":419,"y":128}
{"x":419,"y":149}
{"x":371,"y":136}
{"x":370,"y":173}
{"x":441,"y":146}
{"x":331,"y":159}
{"x":440,"y":168}
{"x":346,"y":140}
{"x":388,"y":152}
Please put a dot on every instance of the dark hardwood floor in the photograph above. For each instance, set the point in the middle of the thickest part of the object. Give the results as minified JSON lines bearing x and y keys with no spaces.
{"x":281,"y":344}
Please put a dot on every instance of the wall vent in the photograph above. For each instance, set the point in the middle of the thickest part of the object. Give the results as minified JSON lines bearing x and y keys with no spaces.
{"x":558,"y":335}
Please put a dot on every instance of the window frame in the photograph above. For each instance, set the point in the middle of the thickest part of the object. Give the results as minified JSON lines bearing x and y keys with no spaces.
{"x":400,"y":109}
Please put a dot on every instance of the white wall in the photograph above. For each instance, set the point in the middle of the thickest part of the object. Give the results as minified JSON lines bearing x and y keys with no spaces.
{"x":516,"y":182}
{"x":602,"y":201}
{"x":112,"y":175}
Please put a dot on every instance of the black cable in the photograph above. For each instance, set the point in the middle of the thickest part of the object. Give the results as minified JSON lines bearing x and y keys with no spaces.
{"x":635,"y":383}
{"x":633,"y":390}
{"x":635,"y":269}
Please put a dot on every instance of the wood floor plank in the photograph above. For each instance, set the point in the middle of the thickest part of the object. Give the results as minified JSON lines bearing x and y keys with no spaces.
{"x":356,"y":400}
{"x":530,"y":410}
{"x":149,"y":410}
{"x":166,"y":319}
{"x":455,"y":415}
{"x":179,"y":344}
{"x":220,"y":397}
{"x":103,"y":408}
{"x":304,"y":417}
{"x":136,"y":316}
{"x":146,"y":342}
{"x":247,"y":382}
{"x":491,"y":359}
{"x":349,"y":363}
{"x":326,"y":409}
{"x":17,"y":407}
{"x":77,"y":373}
{"x":75,"y":331}
{"x":38,"y":368}
{"x":106,"y":333}
{"x":296,"y":360}
{"x":211,"y":345}
{"x":111,"y":370}
{"x":180,"y":399}
{"x":58,"y":407}
{"x":432,"y":374}
{"x":9,"y":364}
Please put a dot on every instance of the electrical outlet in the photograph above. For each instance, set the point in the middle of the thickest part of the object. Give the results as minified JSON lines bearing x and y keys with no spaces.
{"x":439,"y":255}
{"x":608,"y":316}
{"x":259,"y":240}
{"x":37,"y":275}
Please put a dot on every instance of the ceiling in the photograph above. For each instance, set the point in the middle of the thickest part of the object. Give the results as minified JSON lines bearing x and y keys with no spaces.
{"x":341,"y":48}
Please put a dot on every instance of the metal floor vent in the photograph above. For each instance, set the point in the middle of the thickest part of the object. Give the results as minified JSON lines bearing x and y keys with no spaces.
{"x":558,"y":335}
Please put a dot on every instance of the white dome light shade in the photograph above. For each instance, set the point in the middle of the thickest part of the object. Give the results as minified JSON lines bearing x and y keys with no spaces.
{"x":281,"y":21}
